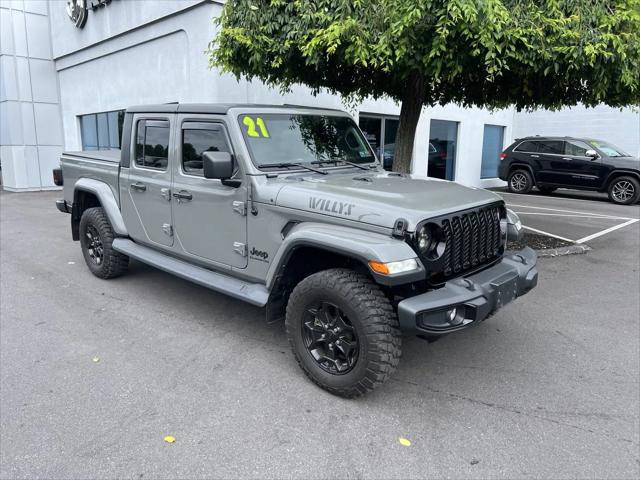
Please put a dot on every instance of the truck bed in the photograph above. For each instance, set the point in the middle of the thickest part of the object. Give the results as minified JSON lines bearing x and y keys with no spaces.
{"x":102,"y":165}
{"x":105,"y":155}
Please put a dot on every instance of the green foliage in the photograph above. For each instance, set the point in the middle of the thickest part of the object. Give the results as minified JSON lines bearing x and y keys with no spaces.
{"x":486,"y":53}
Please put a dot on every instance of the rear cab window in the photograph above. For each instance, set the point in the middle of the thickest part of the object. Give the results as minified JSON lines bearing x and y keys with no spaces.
{"x":152,"y":144}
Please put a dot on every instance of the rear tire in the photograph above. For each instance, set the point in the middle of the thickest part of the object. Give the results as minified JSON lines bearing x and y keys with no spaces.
{"x":96,"y":239}
{"x":343,"y":331}
{"x":547,"y":190}
{"x":520,"y":181}
{"x":624,"y":190}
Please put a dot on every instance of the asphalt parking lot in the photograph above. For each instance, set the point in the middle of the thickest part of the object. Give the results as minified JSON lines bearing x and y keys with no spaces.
{"x":93,"y":373}
{"x":583,"y":217}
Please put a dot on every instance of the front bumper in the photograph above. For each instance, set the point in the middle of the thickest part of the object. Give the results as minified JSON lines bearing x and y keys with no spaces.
{"x":474,"y":298}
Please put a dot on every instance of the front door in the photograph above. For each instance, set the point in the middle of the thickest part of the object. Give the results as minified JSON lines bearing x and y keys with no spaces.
{"x":148,"y":213}
{"x":582,"y":171}
{"x":210,"y":218}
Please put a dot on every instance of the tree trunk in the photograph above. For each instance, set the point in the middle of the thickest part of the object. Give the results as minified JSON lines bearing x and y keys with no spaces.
{"x":410,"y":111}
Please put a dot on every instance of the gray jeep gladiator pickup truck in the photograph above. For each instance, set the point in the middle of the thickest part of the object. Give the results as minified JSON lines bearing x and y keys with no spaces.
{"x":288,"y":208}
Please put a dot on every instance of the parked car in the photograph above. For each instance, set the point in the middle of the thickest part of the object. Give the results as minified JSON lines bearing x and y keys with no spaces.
{"x":288,"y":208}
{"x":549,"y":163}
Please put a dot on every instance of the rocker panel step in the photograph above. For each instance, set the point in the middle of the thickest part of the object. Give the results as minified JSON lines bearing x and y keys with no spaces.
{"x":253,"y":293}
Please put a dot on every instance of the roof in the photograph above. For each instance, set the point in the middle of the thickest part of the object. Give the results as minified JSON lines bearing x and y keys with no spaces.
{"x":215,"y":108}
{"x":554,"y":137}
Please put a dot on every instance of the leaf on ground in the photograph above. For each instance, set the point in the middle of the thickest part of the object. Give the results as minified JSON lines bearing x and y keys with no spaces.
{"x":404,"y":442}
{"x":169,"y":439}
{"x":95,"y":359}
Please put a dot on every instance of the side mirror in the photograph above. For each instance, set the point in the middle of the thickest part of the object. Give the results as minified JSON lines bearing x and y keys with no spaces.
{"x":592,"y":154}
{"x":217,"y":165}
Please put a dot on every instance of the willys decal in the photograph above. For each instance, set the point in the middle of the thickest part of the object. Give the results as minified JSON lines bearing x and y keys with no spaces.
{"x":331,"y":206}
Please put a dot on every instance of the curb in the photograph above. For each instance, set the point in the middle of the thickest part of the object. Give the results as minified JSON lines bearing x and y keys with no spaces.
{"x":577,"y":249}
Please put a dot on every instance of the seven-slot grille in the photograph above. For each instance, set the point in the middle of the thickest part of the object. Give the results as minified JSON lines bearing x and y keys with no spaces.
{"x":472,"y":238}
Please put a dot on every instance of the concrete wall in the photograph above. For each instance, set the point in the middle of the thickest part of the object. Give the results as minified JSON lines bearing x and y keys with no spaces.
{"x":30,"y":133}
{"x":137,"y":52}
{"x":618,"y":126}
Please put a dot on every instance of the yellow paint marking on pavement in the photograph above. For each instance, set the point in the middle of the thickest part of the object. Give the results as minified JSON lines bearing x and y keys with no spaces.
{"x":404,"y":442}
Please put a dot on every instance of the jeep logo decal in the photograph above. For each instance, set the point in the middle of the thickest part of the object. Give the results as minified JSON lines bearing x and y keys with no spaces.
{"x":259,"y":254}
{"x":331,"y":206}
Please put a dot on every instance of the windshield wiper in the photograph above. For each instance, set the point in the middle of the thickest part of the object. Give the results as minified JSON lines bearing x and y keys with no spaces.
{"x":336,"y":161}
{"x":286,"y":165}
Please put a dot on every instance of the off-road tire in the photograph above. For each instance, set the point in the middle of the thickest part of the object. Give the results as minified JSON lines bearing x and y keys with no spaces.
{"x":112,"y":264}
{"x":520,"y":181}
{"x":371,"y":316}
{"x":547,"y":190}
{"x":616,"y":195}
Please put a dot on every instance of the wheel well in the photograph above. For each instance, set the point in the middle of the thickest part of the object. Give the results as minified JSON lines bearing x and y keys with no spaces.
{"x":299,"y":264}
{"x":620,"y":173}
{"x":522,"y":166}
{"x":82,"y":200}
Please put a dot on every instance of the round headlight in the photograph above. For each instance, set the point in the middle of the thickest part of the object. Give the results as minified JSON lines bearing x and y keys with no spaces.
{"x":424,"y":240}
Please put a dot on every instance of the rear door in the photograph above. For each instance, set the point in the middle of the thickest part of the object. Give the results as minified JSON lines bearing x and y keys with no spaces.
{"x":553,"y":165}
{"x":147,"y":202}
{"x":210,"y":218}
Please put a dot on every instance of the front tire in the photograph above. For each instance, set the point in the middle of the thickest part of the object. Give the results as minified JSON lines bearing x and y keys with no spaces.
{"x":343,"y":331}
{"x":520,"y":181}
{"x":624,"y":190}
{"x":96,"y":239}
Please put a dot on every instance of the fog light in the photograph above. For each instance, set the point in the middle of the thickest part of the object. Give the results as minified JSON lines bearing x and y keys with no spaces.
{"x":451,"y":315}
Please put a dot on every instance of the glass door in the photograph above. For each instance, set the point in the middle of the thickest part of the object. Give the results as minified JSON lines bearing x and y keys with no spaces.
{"x":381,"y":133}
{"x":443,"y":139}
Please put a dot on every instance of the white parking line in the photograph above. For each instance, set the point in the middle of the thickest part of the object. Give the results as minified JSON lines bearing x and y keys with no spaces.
{"x":542,"y":232}
{"x":567,"y":211}
{"x":572,"y":215}
{"x":608,"y":230}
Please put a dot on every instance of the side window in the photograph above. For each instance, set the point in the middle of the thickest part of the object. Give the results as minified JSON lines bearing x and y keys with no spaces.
{"x":575,"y":148}
{"x":198,"y":138}
{"x":552,"y":146}
{"x":527,"y":146}
{"x":152,"y":144}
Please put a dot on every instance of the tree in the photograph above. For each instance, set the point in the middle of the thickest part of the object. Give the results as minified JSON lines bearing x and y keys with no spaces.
{"x":486,"y":53}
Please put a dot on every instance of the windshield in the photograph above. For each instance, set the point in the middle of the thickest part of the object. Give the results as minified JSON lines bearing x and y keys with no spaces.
{"x":608,"y":149}
{"x":280,"y":139}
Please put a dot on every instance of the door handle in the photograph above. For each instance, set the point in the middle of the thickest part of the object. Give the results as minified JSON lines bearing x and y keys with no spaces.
{"x":140,"y":187}
{"x":535,"y":156}
{"x":183,"y":195}
{"x":567,"y":158}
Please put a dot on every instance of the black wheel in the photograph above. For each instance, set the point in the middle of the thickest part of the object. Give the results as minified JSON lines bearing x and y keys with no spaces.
{"x":520,"y":181}
{"x":96,"y":238}
{"x":343,"y":332}
{"x":624,"y":190}
{"x":547,"y":190}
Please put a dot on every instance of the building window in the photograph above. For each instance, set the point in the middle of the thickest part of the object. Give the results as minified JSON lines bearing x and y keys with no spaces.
{"x":102,"y":131}
{"x":443,"y":138}
{"x":381,"y":132}
{"x":492,"y":144}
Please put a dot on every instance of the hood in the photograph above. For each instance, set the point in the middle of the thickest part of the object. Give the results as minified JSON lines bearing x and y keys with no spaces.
{"x":379,"y":198}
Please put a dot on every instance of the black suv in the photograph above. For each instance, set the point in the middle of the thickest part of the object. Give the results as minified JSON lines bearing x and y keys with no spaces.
{"x":585,"y":164}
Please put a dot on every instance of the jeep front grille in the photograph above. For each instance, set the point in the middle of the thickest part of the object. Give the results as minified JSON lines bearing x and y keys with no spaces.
{"x":471,"y":240}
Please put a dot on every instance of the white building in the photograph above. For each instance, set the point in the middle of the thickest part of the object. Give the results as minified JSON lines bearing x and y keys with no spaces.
{"x":63,"y":86}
